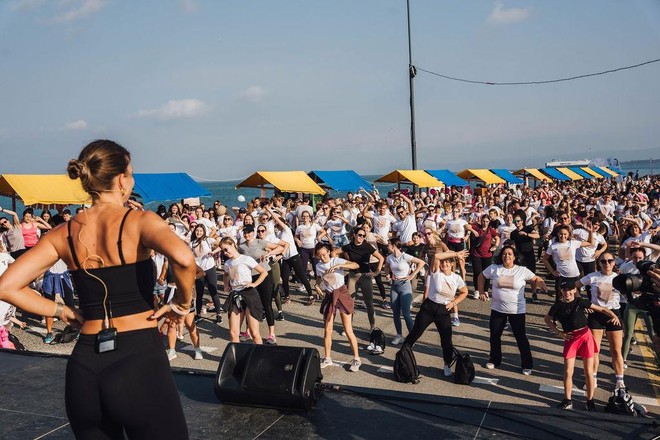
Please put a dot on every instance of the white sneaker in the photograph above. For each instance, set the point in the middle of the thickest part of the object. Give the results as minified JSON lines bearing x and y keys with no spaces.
{"x":326,"y":362}
{"x":198,"y":354}
{"x":475,"y":295}
{"x":490,"y":365}
{"x":171,"y":354}
{"x":397,"y":340}
{"x":447,"y":371}
{"x":527,"y":371}
{"x":355,"y":365}
{"x":584,"y":387}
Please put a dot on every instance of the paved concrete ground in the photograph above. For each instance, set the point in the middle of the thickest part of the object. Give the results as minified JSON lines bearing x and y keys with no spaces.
{"x":303,"y":327}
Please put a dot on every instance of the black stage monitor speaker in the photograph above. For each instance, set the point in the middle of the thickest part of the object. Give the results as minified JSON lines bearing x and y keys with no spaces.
{"x":272,"y":376}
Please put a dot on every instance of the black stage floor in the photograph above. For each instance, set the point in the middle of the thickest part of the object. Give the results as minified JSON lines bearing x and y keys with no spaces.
{"x":32,"y":407}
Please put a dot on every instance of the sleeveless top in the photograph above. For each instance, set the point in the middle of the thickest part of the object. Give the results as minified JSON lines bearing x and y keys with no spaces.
{"x":30,"y":236}
{"x":130,"y":286}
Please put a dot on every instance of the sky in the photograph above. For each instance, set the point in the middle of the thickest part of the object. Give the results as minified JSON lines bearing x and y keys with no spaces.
{"x":220,"y":89}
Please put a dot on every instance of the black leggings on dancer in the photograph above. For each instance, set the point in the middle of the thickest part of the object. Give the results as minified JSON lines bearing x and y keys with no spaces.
{"x":211,"y":281}
{"x":432,"y":312}
{"x":129,"y":389}
{"x":379,"y":281}
{"x":265,"y":290}
{"x":294,"y":263}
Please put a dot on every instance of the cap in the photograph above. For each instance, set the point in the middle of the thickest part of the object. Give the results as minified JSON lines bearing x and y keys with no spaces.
{"x":242,"y":210}
{"x":567,"y":284}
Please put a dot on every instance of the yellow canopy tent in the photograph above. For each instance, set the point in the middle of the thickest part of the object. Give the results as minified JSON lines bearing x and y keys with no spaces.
{"x":535,"y":173}
{"x":46,"y":189}
{"x":609,"y":171}
{"x":570,"y":173}
{"x":592,"y":172}
{"x":288,"y":181}
{"x":412,"y":177}
{"x":486,"y":176}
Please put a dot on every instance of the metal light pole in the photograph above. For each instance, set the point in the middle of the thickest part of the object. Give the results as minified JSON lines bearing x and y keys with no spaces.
{"x":411,"y":75}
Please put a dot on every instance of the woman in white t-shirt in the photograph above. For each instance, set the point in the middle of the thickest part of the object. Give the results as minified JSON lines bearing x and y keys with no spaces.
{"x":457,"y":231}
{"x":330,"y":275}
{"x":603,"y":294}
{"x":307,"y":235}
{"x":508,"y":281}
{"x":562,"y":250}
{"x":204,"y":250}
{"x":243,"y":296}
{"x":336,"y":227}
{"x":586,"y":256}
{"x":442,"y":286}
{"x":400,"y":269}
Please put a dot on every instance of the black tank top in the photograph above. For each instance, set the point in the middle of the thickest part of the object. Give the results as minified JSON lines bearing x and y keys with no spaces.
{"x":130,"y":286}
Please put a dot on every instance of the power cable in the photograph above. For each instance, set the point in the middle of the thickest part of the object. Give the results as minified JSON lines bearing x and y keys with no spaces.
{"x":521,"y":83}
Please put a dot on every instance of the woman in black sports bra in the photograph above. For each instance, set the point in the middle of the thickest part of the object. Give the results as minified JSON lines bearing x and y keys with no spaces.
{"x":118,"y":378}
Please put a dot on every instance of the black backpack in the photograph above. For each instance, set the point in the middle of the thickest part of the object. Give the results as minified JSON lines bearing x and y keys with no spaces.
{"x":66,"y":336}
{"x":621,"y":402}
{"x":377,"y":339}
{"x":464,"y":372}
{"x":17,"y":344}
{"x":405,"y":365}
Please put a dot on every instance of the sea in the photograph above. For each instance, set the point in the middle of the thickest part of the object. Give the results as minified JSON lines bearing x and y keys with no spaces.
{"x":230,"y":196}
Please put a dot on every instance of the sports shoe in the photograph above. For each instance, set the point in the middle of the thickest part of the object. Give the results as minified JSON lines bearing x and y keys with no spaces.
{"x":272,"y":340}
{"x":490,"y":365}
{"x":198,"y":319}
{"x":279,"y":317}
{"x":342,"y":333}
{"x":447,"y":370}
{"x":355,"y":365}
{"x":286,"y":300}
{"x":179,"y":337}
{"x":633,"y":341}
{"x":455,"y":321}
{"x":619,"y":385}
{"x":326,"y":362}
{"x":244,"y":336}
{"x":566,"y":404}
{"x":171,"y":354}
{"x":386,"y":305}
{"x":198,"y":354}
{"x":535,"y":299}
{"x":218,"y":318}
{"x":397,"y":340}
{"x":48,"y":338}
{"x":527,"y":371}
{"x":475,"y":295}
{"x":590,"y":405}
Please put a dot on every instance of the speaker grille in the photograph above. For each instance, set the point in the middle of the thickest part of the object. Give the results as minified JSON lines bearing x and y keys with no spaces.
{"x":273,"y":369}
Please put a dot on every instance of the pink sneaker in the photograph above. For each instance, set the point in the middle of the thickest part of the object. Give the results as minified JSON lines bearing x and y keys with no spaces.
{"x":244,"y":336}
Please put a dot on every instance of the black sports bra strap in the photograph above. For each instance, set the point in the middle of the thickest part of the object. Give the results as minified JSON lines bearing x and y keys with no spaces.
{"x":69,"y":239}
{"x":121,"y":229}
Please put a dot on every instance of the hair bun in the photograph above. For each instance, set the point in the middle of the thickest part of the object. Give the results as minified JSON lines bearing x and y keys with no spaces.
{"x":75,"y":169}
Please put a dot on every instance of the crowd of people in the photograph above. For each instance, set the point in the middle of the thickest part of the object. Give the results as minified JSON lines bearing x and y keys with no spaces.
{"x":489,"y":244}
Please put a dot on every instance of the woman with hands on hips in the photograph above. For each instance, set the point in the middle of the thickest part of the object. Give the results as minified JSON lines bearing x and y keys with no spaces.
{"x":118,"y":378}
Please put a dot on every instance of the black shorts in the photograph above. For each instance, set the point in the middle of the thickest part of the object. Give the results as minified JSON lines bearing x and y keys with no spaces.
{"x":600,"y":321}
{"x":245,"y":299}
{"x":456,"y":247}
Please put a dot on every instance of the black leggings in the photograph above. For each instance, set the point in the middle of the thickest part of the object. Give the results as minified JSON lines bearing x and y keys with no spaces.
{"x":294,"y":263}
{"x":587,"y":267}
{"x":265,"y":290}
{"x":431,"y":312}
{"x":478,"y":266}
{"x":129,"y":389}
{"x":497,"y":323}
{"x":307,"y":256}
{"x":379,"y":281}
{"x":528,"y":260}
{"x":211,"y":281}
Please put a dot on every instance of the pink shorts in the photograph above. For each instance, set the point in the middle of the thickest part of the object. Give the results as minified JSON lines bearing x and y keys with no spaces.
{"x":4,"y":339}
{"x":583,"y":345}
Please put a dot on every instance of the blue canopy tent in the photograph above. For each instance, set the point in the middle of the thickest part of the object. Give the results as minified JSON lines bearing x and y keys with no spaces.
{"x":448,"y":178}
{"x":617,"y":170}
{"x":345,"y":180}
{"x":506,"y":175}
{"x":582,"y":173}
{"x":555,"y":174}
{"x":167,"y":186}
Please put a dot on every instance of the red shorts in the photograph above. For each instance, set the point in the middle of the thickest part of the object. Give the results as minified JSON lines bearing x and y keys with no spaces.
{"x":582,"y":345}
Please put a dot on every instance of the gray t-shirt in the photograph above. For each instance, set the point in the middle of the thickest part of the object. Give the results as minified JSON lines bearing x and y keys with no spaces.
{"x":256,"y":249}
{"x":15,"y":239}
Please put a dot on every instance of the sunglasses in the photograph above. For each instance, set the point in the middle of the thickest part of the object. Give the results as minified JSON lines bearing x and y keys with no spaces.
{"x":400,"y":212}
{"x":261,"y":230}
{"x":517,"y":220}
{"x":360,"y":235}
{"x":428,"y":233}
{"x":608,"y":261}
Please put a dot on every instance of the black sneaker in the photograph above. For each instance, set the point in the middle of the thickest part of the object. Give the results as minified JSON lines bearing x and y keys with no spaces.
{"x":590,"y":405}
{"x":535,"y":299}
{"x":566,"y":404}
{"x":280,"y":316}
{"x":218,"y":319}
